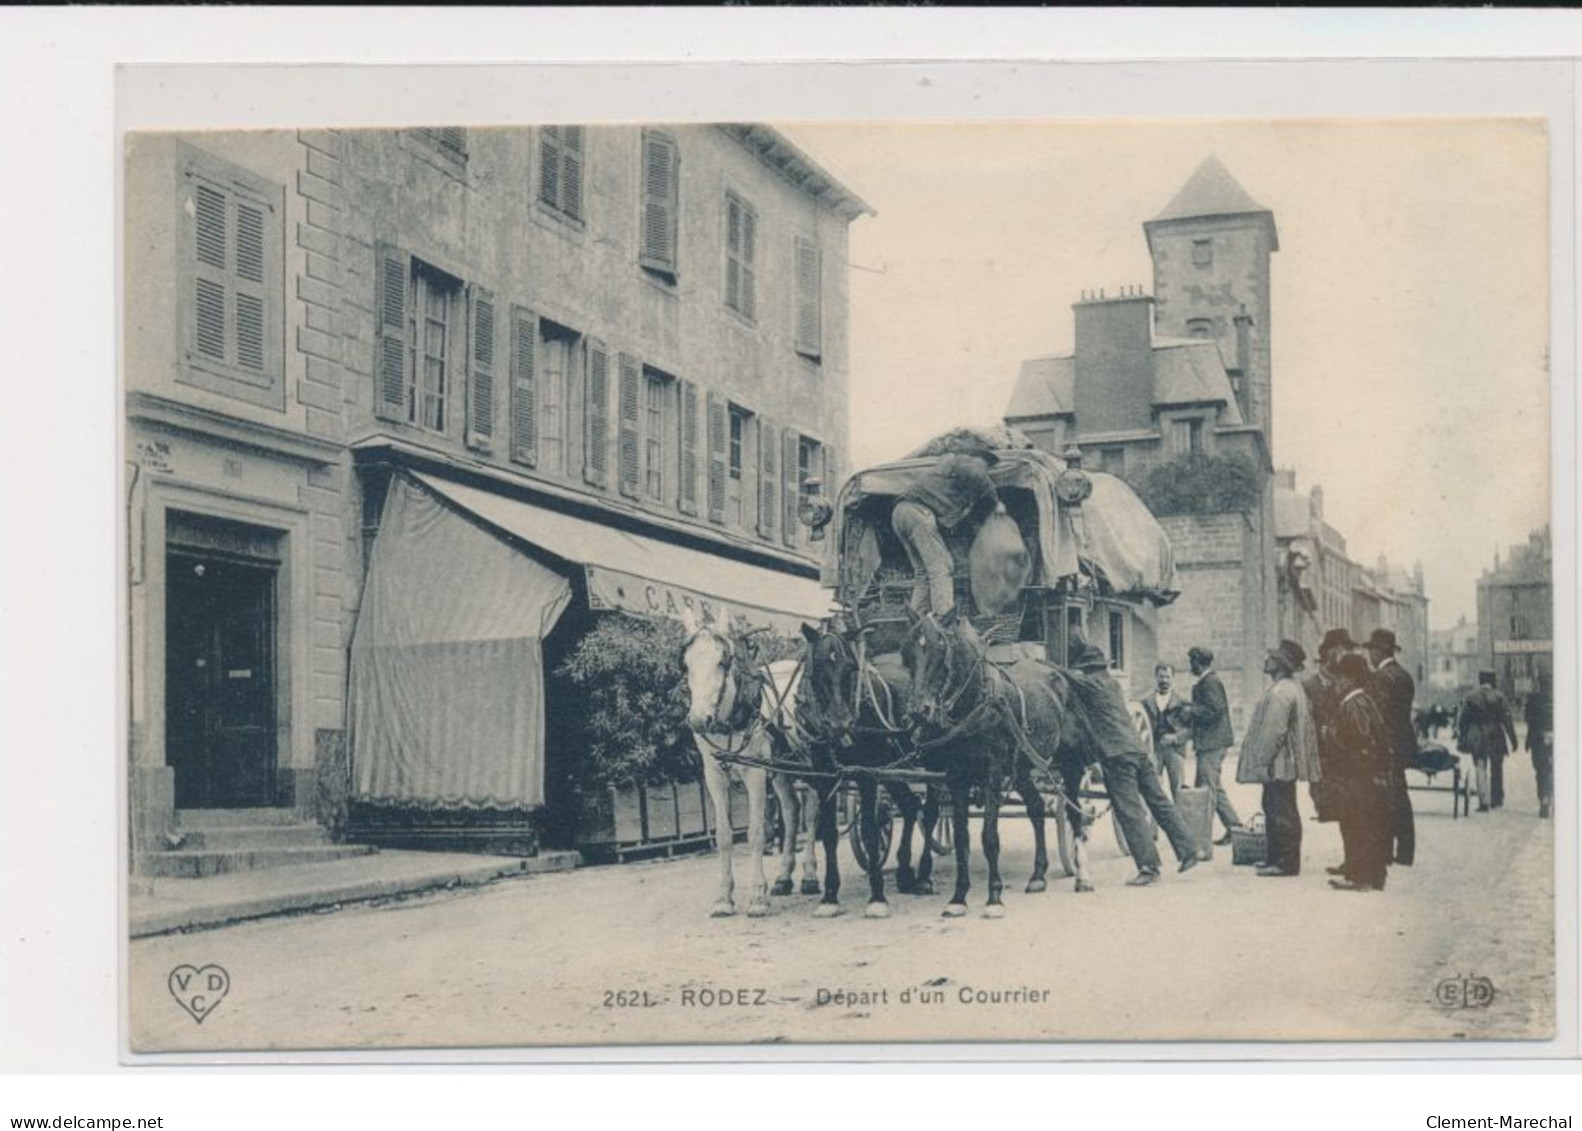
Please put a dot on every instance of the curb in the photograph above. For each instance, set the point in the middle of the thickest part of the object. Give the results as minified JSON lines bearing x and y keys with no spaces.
{"x":220,"y":914}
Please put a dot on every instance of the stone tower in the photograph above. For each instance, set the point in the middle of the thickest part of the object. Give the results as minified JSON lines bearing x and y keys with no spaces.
{"x":1211,"y":248}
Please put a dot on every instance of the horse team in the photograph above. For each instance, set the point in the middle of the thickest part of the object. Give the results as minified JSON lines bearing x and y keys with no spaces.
{"x":938,"y":710}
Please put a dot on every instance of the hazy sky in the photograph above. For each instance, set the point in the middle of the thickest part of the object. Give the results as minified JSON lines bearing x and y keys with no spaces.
{"x":1409,"y":309}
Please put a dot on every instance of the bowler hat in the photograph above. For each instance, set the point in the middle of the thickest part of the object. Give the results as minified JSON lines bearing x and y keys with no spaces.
{"x":1336,"y":638}
{"x":1290,"y":655}
{"x":1085,"y":656}
{"x":1383,"y":640}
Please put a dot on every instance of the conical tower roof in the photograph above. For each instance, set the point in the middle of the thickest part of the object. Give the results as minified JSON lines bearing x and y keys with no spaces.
{"x":1212,"y":191}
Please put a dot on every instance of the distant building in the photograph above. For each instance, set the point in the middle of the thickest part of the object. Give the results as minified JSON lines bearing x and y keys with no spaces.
{"x":1453,"y":657}
{"x":1516,"y":615}
{"x":1313,"y":574}
{"x":1172,"y":392}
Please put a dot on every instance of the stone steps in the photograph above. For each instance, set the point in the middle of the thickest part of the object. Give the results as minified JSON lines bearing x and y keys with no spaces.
{"x":236,"y":818}
{"x":233,"y":837}
{"x":211,"y":862}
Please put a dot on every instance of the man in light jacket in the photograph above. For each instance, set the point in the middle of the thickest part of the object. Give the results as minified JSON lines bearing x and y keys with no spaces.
{"x":1281,"y":749}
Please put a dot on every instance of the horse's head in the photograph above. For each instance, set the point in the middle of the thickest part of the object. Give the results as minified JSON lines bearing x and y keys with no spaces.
{"x":940,"y":654}
{"x":707,"y":658}
{"x":832,"y":670}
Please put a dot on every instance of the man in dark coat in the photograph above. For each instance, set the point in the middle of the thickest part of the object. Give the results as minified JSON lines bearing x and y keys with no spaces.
{"x":1324,"y":691}
{"x":1129,"y":778}
{"x":1393,"y":692}
{"x":1485,"y":730}
{"x":1541,"y":741}
{"x":1209,"y":714}
{"x":1357,"y":765}
{"x":953,"y":491}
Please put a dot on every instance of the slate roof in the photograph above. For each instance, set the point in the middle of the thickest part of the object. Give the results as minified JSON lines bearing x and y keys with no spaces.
{"x":1045,"y":387}
{"x":1210,"y":191}
{"x":1186,"y":371}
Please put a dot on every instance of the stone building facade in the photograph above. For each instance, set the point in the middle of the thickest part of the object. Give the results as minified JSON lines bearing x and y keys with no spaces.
{"x":635,"y":330}
{"x":1173,"y":392}
{"x":1516,"y":615}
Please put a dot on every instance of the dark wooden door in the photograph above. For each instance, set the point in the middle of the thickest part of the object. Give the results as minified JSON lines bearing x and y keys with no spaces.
{"x":220,"y":681}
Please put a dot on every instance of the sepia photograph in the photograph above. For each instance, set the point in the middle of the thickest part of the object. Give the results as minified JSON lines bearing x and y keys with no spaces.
{"x":863,"y":583}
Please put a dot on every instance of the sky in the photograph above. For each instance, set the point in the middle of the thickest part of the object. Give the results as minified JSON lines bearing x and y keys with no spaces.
{"x":1409,"y":316}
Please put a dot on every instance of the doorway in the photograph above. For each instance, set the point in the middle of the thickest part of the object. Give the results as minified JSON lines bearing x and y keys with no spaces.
{"x":220,"y":679}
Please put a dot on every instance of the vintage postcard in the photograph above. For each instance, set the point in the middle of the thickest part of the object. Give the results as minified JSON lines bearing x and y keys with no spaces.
{"x":743,"y":582}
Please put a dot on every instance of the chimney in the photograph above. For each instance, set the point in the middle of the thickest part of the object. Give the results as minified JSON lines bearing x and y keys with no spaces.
{"x":1243,"y":366}
{"x":1113,"y":362}
{"x":1317,"y":495}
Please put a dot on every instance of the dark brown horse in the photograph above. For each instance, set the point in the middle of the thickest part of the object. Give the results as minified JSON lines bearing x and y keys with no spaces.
{"x":855,"y":707}
{"x":983,"y":725}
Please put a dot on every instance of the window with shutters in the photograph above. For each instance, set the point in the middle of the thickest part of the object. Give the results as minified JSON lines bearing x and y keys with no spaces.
{"x":1186,"y":436}
{"x":687,"y":447}
{"x":596,"y":414}
{"x":480,"y":368}
{"x":445,"y":147}
{"x":660,"y":204}
{"x":560,"y":167}
{"x":557,"y":347}
{"x":809,"y":299}
{"x":737,"y":464}
{"x":768,"y":476}
{"x":741,"y":256}
{"x":524,"y":386}
{"x":430,"y":345}
{"x":656,"y":399}
{"x":232,"y":280}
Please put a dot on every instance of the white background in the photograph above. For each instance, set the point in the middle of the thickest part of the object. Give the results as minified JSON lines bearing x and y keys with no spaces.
{"x":59,"y":587}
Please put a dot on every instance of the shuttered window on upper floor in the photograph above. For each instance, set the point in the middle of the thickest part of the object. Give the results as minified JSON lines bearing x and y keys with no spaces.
{"x":561,"y":155}
{"x":232,"y":279}
{"x":661,"y":204}
{"x":741,"y":257}
{"x":809,"y":299}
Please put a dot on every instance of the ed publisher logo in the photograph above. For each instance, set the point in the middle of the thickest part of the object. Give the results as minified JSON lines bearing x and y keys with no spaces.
{"x":1464,"y":993}
{"x":199,"y":991}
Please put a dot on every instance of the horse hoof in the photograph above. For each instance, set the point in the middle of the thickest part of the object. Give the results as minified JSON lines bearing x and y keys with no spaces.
{"x":1084,"y":885}
{"x":782,"y":887}
{"x":994,"y":911}
{"x":953,"y":911}
{"x":810,"y":887}
{"x":828,"y":911}
{"x":876,"y":910}
{"x":1036,"y":886}
{"x":921,"y":887}
{"x":757,"y":909}
{"x":722,"y":910}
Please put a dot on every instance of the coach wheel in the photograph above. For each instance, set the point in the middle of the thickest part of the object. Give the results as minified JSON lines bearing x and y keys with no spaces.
{"x":884,"y":815}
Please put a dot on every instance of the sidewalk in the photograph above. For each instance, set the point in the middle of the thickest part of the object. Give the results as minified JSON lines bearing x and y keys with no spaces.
{"x":161,"y":905}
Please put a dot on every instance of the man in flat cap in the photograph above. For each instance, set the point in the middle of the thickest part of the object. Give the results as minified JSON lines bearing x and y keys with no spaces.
{"x":1129,"y":777}
{"x":1279,"y":750}
{"x":1393,"y":691}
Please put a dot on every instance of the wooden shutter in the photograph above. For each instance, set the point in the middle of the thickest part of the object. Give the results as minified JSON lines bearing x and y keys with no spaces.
{"x":749,"y":284}
{"x":733,"y":248}
{"x":549,"y":165}
{"x":480,"y":373}
{"x":809,"y":298}
{"x":831,"y":474}
{"x":390,"y":357}
{"x":790,"y":485}
{"x":719,"y":440}
{"x":524,"y":386}
{"x":596,"y":460}
{"x":768,"y":440}
{"x":571,"y":170}
{"x":628,"y":448}
{"x":660,"y":195}
{"x":687,"y":497}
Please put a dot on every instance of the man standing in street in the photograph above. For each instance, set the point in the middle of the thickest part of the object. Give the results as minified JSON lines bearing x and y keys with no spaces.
{"x":949,"y":493}
{"x":1541,"y":741}
{"x":1323,"y":691}
{"x":1485,"y":731}
{"x":1129,"y":778}
{"x":1281,"y":749}
{"x":1393,"y":692}
{"x":1357,"y":770}
{"x":1164,"y":709}
{"x":1209,"y":714}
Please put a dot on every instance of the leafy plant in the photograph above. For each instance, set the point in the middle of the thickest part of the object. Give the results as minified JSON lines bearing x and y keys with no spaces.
{"x":1201,"y":484}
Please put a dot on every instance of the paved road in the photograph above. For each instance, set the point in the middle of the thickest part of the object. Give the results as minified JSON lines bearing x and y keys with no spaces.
{"x":1218,"y":954}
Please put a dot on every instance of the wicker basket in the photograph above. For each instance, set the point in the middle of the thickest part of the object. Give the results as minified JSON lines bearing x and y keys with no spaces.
{"x":1249,"y":845}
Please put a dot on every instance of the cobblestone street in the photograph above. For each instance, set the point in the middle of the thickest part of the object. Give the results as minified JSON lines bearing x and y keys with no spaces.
{"x":1217,"y":955}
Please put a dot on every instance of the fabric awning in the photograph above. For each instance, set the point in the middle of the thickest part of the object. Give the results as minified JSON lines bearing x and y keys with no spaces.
{"x":644,"y":575}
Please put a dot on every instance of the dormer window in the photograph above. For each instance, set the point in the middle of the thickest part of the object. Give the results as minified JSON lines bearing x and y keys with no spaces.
{"x":1200,"y":327}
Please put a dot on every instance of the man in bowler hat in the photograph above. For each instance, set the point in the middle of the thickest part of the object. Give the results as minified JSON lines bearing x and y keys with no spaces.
{"x":1393,"y":692}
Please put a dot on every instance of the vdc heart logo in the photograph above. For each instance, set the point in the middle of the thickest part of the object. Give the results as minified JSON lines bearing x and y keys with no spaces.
{"x":197,"y":991}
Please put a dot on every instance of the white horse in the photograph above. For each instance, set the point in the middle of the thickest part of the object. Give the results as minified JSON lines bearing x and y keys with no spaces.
{"x":733,"y":710}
